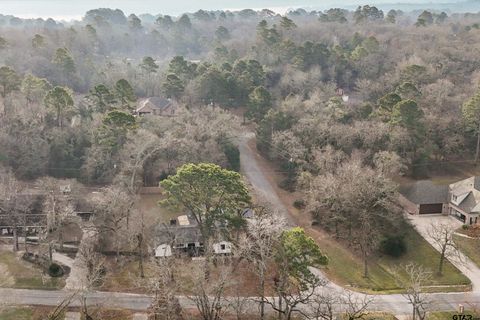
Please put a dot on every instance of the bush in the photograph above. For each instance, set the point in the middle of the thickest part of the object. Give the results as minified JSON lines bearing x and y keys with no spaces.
{"x":55,"y":270}
{"x":233,"y":156}
{"x":465,"y":227}
{"x":393,"y":246}
{"x":299,"y":204}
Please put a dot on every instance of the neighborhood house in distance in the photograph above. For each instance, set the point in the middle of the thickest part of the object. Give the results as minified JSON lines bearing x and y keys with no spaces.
{"x":157,"y":106}
{"x":460,"y":199}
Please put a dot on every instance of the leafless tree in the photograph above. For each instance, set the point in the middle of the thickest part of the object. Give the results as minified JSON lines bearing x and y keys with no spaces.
{"x":163,"y":285}
{"x":262,"y":236}
{"x":442,"y":236}
{"x":355,"y":306}
{"x":114,"y":207}
{"x":58,"y":313}
{"x":291,"y":296}
{"x":208,"y":294}
{"x":322,"y":306}
{"x":417,"y":277}
{"x":366,"y":204}
{"x":93,"y":265}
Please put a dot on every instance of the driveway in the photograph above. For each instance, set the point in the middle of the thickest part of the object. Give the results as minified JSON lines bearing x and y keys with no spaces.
{"x":254,"y":173}
{"x":422,"y":224}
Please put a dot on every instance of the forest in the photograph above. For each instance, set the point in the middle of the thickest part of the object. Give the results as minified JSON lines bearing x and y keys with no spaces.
{"x":342,"y":104}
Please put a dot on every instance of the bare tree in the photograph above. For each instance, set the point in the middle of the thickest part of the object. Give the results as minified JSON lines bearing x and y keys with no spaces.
{"x":355,"y":306}
{"x":58,"y":313}
{"x":442,"y":236}
{"x":208,"y":294}
{"x":366,"y":204}
{"x":263,"y":235}
{"x":322,"y":306}
{"x":163,"y":286}
{"x":292,"y":296}
{"x":413,"y":285}
{"x":114,"y":208}
{"x":93,"y":265}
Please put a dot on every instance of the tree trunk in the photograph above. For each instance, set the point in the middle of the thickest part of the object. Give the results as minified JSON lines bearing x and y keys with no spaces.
{"x":414,"y":315}
{"x":477,"y":151}
{"x":50,"y":251}
{"x":262,"y":302}
{"x":140,"y":254}
{"x":440,"y":266}
{"x":15,"y":239}
{"x":365,"y":265}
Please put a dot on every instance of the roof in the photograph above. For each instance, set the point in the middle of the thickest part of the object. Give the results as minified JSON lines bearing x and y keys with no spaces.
{"x":179,"y":235}
{"x":468,"y":203}
{"x":425,"y":192}
{"x":157,"y":103}
{"x":476,"y":182}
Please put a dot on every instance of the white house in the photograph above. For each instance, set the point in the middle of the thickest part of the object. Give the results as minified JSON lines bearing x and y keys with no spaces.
{"x":163,"y":250}
{"x":222,"y":247}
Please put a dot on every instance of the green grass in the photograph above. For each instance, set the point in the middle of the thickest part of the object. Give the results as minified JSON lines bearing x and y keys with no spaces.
{"x":470,"y":247}
{"x":16,"y":314}
{"x":17,"y":273}
{"x":347,"y":269}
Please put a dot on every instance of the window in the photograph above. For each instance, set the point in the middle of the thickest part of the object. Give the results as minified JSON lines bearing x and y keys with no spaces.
{"x":454,"y":197}
{"x":222,"y":247}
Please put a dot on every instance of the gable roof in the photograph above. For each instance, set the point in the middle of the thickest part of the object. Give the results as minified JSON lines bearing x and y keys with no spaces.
{"x":425,"y":192}
{"x":468,"y":203}
{"x":476,"y":183}
{"x":155,"y":103}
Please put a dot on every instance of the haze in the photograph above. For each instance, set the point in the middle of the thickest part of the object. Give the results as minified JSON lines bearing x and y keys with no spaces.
{"x":62,"y":9}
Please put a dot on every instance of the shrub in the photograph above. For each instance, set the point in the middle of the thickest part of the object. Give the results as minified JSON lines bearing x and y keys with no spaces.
{"x":55,"y":270}
{"x":299,"y":204}
{"x":393,"y":246}
{"x":233,"y":156}
{"x":465,"y":227}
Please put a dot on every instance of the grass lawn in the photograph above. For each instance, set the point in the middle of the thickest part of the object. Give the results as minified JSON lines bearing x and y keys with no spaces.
{"x":470,"y":247}
{"x":17,"y":273}
{"x":24,"y":313}
{"x":347,"y":269}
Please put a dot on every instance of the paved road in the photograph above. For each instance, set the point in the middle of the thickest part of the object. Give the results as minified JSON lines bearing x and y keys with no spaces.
{"x":423,"y":224}
{"x":396,"y":303}
{"x":254,"y":173}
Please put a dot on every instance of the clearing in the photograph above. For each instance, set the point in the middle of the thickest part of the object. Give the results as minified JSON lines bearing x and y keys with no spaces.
{"x":17,"y":273}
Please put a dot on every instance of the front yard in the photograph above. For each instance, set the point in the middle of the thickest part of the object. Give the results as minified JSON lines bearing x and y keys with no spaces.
{"x":470,"y":247}
{"x":347,"y":269}
{"x":17,"y":273}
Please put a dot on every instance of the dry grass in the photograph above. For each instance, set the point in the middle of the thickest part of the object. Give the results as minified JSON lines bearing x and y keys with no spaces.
{"x":18,"y":273}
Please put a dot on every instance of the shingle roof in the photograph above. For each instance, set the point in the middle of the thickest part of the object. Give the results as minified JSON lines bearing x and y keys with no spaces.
{"x":476,"y":183}
{"x":158,"y":102}
{"x":179,"y":235}
{"x":425,"y":192}
{"x":468,"y":203}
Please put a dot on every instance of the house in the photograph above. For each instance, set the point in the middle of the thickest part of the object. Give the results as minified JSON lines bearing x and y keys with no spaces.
{"x":464,"y":197}
{"x":460,"y":199}
{"x":222,"y":247}
{"x":424,"y":197}
{"x":157,"y":106}
{"x":183,"y":235}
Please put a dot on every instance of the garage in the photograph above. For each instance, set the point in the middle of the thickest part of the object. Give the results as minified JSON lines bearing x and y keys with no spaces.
{"x":431,"y":208}
{"x":424,"y":197}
